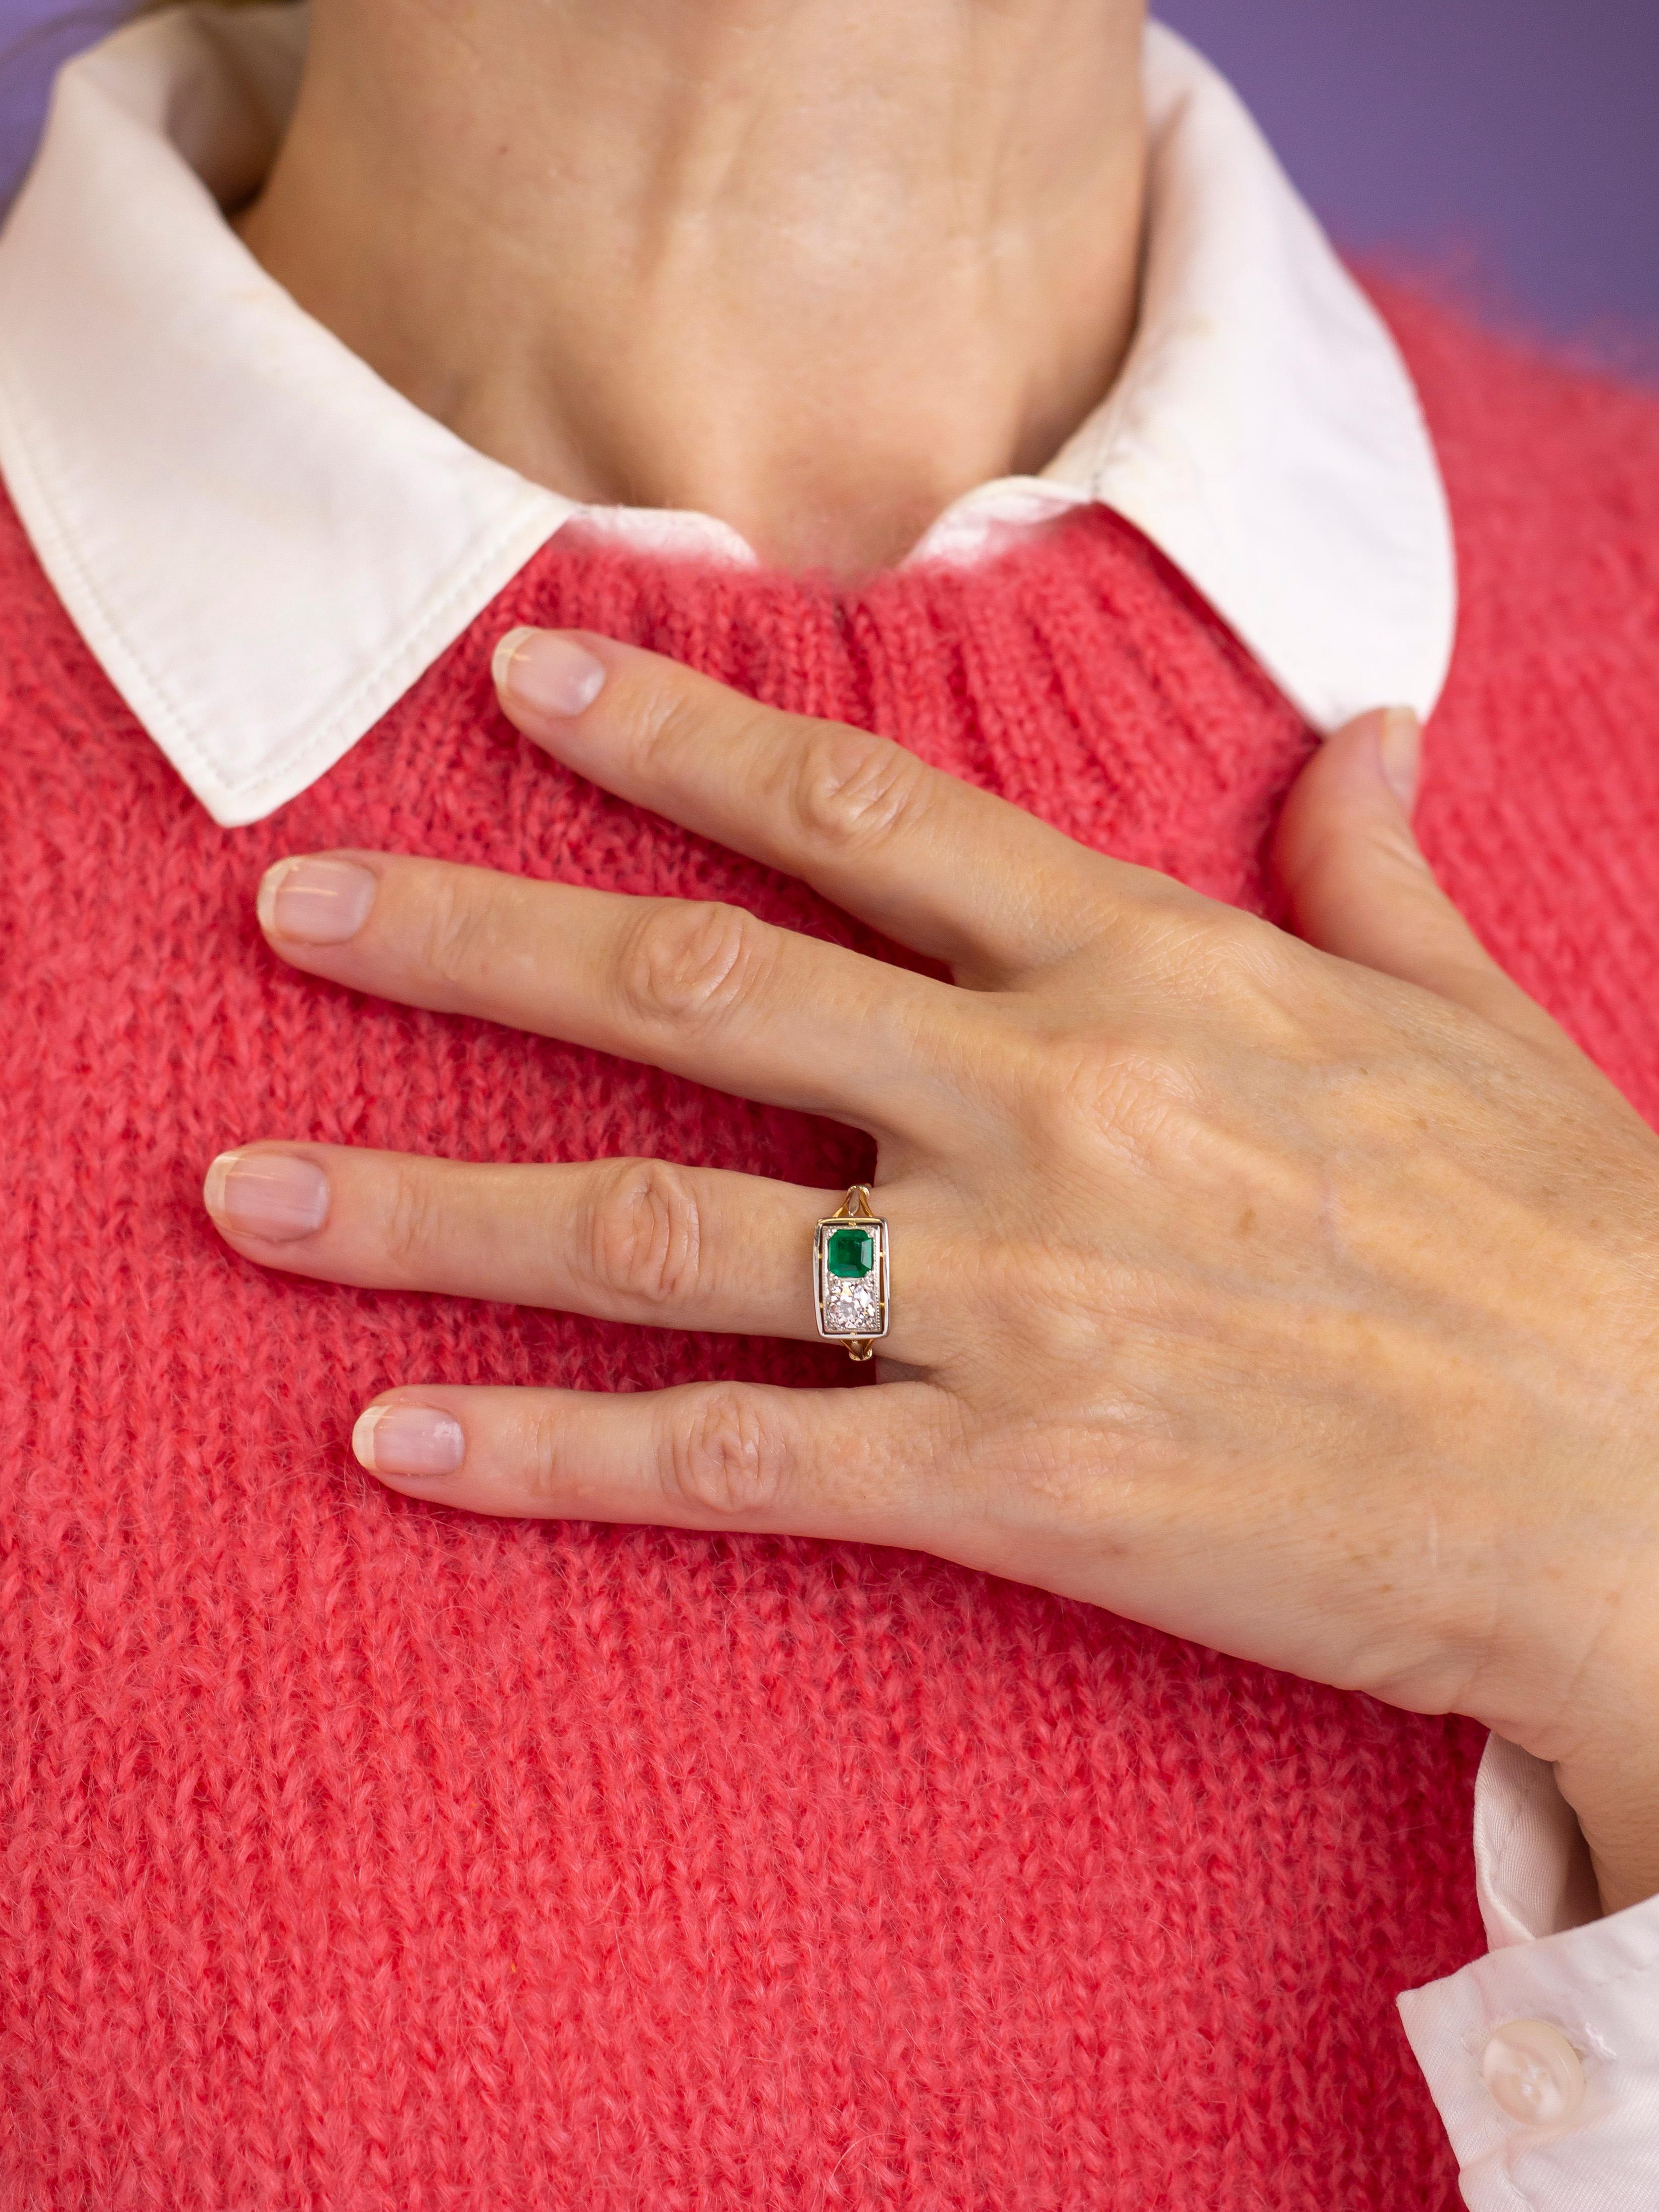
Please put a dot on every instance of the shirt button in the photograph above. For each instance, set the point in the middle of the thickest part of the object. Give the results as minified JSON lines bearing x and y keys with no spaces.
{"x":1533,"y":2072}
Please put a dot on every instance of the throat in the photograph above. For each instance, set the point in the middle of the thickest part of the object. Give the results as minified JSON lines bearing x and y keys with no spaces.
{"x":813,"y":276}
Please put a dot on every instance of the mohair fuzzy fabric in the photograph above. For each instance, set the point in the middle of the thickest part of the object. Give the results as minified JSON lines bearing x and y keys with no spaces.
{"x":362,"y":1855}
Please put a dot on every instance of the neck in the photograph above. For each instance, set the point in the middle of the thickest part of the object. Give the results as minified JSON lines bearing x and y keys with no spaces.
{"x":814,"y":268}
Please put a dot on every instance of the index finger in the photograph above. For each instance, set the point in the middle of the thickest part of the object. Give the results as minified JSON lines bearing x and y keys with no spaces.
{"x":930,"y":860}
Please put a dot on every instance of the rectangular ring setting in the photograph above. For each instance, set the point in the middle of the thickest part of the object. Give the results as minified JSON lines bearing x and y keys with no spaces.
{"x":849,"y":1276}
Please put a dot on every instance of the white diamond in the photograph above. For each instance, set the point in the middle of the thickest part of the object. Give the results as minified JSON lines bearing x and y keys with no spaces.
{"x":851,"y":1308}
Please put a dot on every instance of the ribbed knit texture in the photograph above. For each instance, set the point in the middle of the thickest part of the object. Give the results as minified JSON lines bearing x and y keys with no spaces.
{"x":360,"y":1855}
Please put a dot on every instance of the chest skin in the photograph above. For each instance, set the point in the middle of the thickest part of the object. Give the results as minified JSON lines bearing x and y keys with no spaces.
{"x":362,"y":1853}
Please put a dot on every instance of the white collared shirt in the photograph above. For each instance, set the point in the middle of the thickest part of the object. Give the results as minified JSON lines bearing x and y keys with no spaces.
{"x":1263,"y":433}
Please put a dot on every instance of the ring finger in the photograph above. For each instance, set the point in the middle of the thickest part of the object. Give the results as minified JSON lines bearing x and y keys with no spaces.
{"x":633,"y":1240}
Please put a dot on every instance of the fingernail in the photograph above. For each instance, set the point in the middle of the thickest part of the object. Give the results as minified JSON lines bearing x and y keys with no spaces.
{"x":408,"y":1440}
{"x":545,"y":674}
{"x":314,"y":902}
{"x":1399,"y":753}
{"x":275,"y":1196}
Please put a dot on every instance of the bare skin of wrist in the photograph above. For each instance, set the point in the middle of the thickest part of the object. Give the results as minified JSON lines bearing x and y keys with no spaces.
{"x":1610,"y":1773}
{"x":1299,"y":1295}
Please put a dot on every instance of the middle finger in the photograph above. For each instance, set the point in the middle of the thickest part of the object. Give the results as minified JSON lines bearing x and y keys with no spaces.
{"x":702,"y":989}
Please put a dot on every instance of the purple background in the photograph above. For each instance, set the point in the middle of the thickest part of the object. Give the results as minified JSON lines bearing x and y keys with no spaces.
{"x":1512,"y":144}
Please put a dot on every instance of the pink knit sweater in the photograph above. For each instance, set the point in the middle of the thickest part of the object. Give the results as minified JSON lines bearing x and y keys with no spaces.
{"x":362,"y":1855}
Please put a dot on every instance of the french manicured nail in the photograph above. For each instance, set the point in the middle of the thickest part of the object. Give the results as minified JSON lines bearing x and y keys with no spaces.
{"x":275,"y":1196}
{"x":546,"y":674}
{"x":408,"y":1440}
{"x":1399,"y":753}
{"x":315,"y":902}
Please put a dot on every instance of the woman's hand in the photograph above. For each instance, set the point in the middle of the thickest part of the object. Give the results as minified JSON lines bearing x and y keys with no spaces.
{"x":1302,"y":1302}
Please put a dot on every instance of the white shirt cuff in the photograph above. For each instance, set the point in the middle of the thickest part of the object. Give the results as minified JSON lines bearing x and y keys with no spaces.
{"x":1567,"y":1974}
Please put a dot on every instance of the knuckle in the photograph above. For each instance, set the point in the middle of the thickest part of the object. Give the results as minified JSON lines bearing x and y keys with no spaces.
{"x":670,"y":729}
{"x":723,"y":1458}
{"x":689,"y":960}
{"x":542,"y":1461}
{"x":460,"y":934}
{"x":645,"y":1233}
{"x":1219,"y":955}
{"x":1083,"y":1090}
{"x":408,"y":1228}
{"x":1257,"y":980}
{"x":852,"y":789}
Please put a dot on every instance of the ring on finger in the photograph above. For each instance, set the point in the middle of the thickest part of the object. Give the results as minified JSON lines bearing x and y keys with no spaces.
{"x":850,"y":1274}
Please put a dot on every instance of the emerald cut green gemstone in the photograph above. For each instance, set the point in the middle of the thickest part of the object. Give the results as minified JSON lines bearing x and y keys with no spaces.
{"x":852,"y":1252}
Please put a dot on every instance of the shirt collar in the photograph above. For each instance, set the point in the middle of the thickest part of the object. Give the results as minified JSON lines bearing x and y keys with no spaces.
{"x":264,"y":545}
